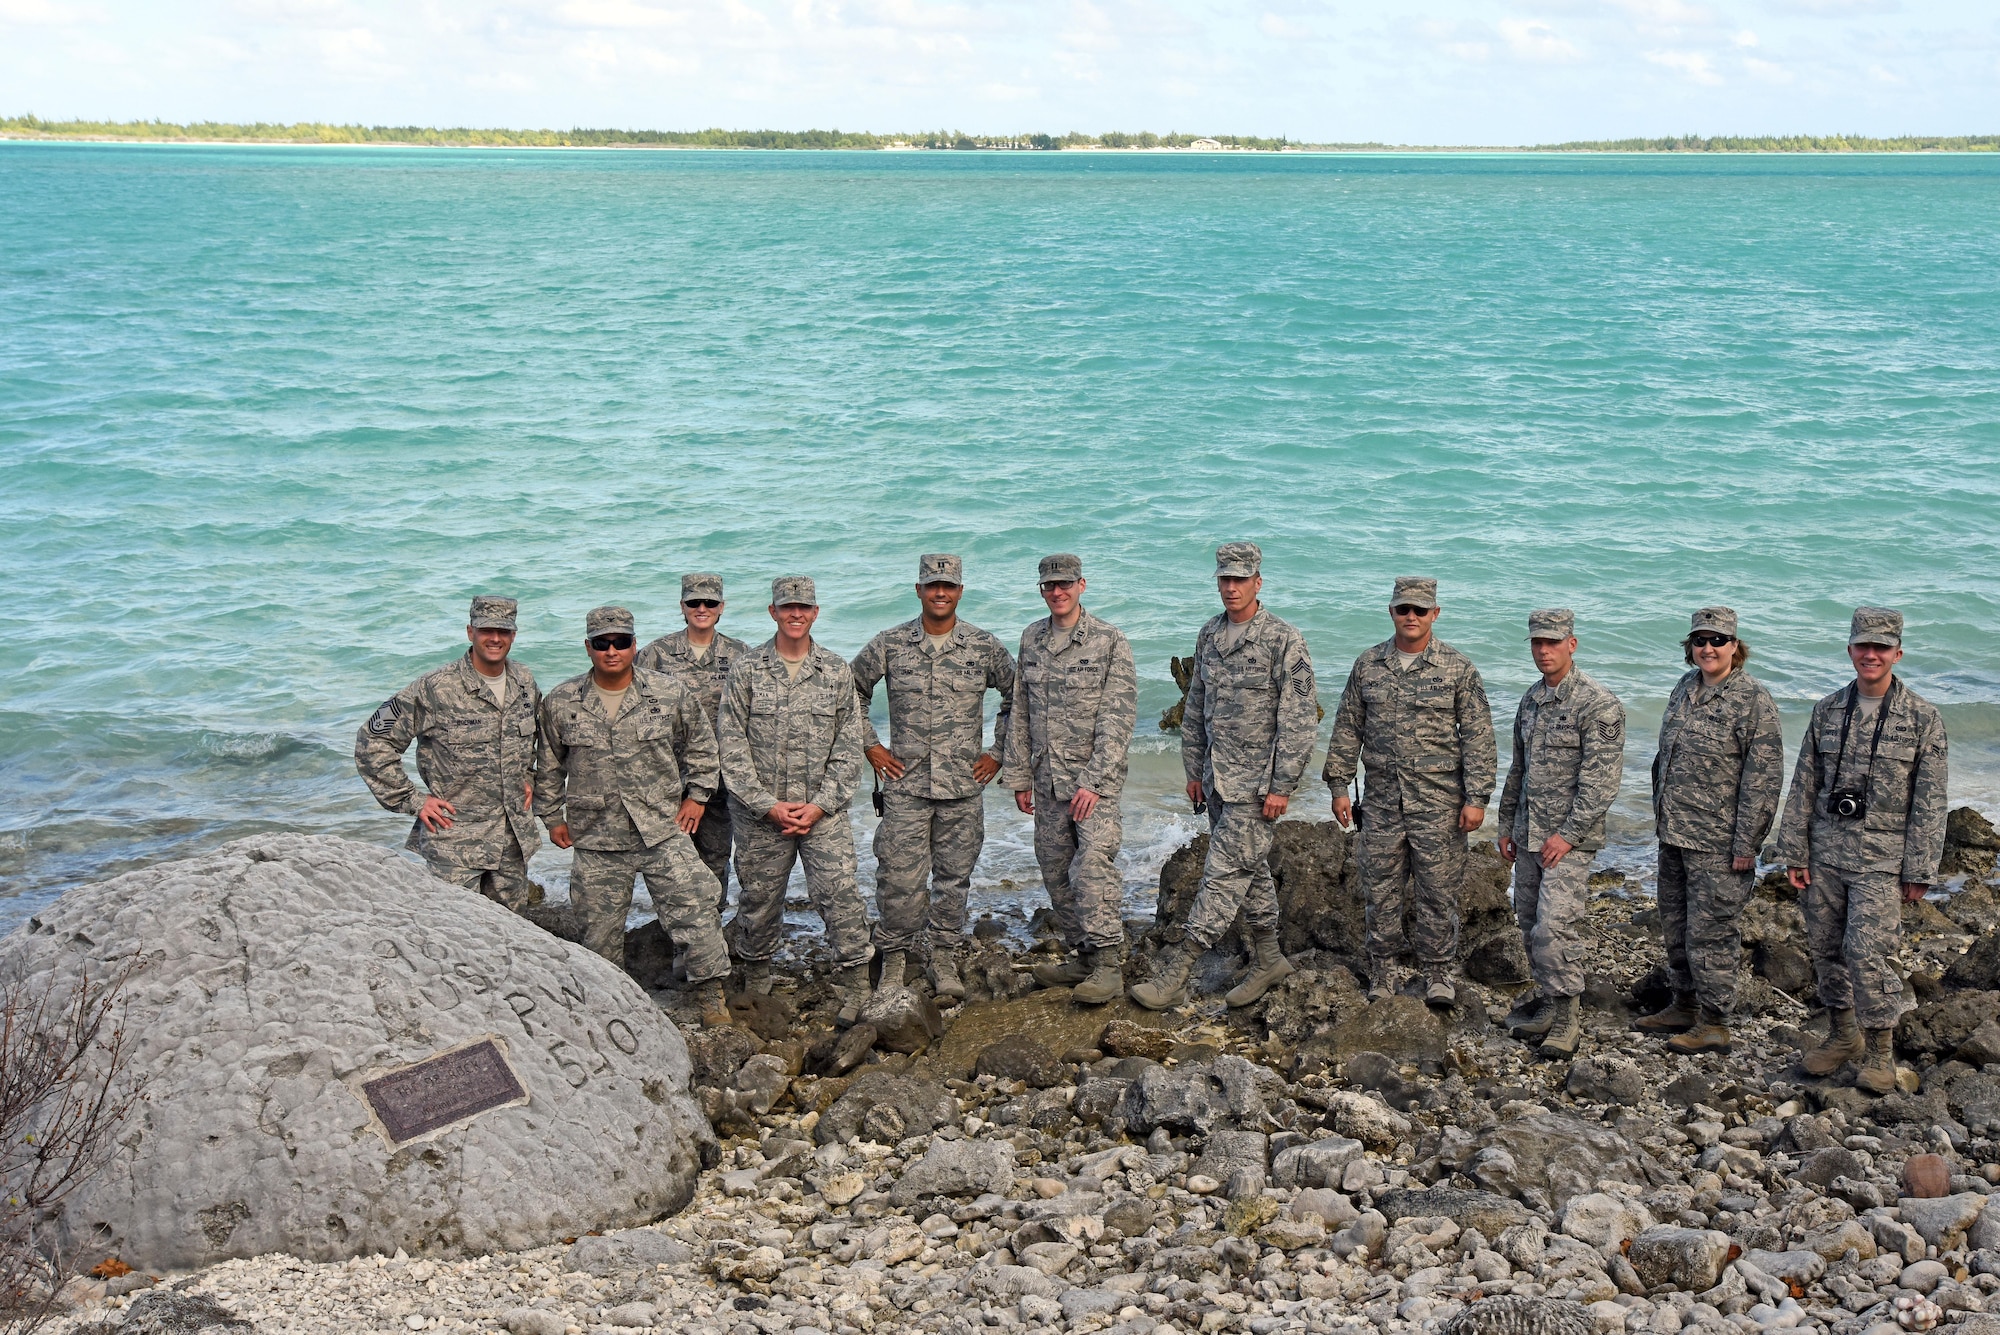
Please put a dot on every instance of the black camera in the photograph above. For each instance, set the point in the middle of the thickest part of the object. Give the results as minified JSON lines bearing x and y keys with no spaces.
{"x":1848,"y":803}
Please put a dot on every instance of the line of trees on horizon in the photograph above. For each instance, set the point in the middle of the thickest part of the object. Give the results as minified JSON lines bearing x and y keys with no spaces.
{"x":315,"y":132}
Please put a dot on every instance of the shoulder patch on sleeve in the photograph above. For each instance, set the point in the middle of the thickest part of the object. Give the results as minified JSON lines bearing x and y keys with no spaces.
{"x":1301,"y":674}
{"x":1608,"y":731}
{"x":383,"y":721}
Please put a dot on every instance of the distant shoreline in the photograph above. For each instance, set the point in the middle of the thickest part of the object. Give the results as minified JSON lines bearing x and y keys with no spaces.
{"x":314,"y":134}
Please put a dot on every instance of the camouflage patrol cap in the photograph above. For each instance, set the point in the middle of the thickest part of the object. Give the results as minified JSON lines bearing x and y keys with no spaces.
{"x":1238,"y":560}
{"x":1876,"y":625}
{"x":1715,"y":621}
{"x":701,"y":585}
{"x":1551,"y":623}
{"x":940,"y":568}
{"x":491,"y":613}
{"x":788,"y":590}
{"x":1060,"y":568}
{"x":607,"y":621}
{"x":1414,"y":591}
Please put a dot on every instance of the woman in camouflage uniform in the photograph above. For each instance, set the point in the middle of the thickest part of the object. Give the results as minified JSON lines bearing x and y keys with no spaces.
{"x":1715,"y":792}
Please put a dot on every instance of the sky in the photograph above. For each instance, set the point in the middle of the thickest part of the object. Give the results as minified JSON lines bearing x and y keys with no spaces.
{"x":1422,"y":72}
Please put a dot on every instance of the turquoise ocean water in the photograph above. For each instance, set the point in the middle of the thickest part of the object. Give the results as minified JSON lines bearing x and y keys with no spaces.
{"x":268,"y":416}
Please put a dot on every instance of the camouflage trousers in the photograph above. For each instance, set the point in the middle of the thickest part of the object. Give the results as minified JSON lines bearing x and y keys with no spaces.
{"x":1412,"y":871}
{"x":764,"y":862}
{"x":1079,"y":861}
{"x":925,"y":849}
{"x":506,"y":885}
{"x":1854,"y":920}
{"x":1549,"y":908}
{"x":1236,"y":877}
{"x":683,"y":894}
{"x":1701,"y":900}
{"x":712,"y":843}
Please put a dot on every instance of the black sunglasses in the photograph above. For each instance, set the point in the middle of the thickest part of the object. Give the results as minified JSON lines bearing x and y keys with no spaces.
{"x":1409,"y":610}
{"x":701,"y":602}
{"x":603,"y":642}
{"x":1710,"y":641}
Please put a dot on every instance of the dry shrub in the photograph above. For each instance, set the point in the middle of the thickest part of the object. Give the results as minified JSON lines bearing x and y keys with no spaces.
{"x":63,"y":1054}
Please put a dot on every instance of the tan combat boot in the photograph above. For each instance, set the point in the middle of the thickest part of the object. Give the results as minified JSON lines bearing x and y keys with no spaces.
{"x":1878,"y":1069}
{"x":1066,"y":972}
{"x":1169,"y":985}
{"x":757,"y":977}
{"x":714,"y":1004}
{"x":1106,"y":981}
{"x":1843,"y":1045}
{"x":1676,"y":1017}
{"x":1385,"y":979}
{"x":1439,"y":990}
{"x":1565,"y":1034}
{"x":895,"y":968}
{"x":1534,"y":1021}
{"x":1710,"y":1035}
{"x":946,"y":985}
{"x":1268,"y":966}
{"x":852,"y":983}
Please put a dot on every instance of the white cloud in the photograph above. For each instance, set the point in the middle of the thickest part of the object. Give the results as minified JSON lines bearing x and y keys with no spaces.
{"x":1835,"y":8}
{"x":1766,"y":72}
{"x":1657,"y":14}
{"x":49,"y":13}
{"x":618,"y":14}
{"x":1692,"y":65}
{"x":1532,"y":39}
{"x":1746,"y":38}
{"x":1291,"y":30}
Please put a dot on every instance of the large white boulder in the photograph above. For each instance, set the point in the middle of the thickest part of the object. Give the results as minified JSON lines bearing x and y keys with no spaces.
{"x":285,"y":987}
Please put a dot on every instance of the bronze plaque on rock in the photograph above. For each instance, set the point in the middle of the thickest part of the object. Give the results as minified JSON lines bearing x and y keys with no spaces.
{"x":440,"y":1090}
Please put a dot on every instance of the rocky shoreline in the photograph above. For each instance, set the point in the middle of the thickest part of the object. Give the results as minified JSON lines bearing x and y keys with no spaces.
{"x":1313,"y":1162}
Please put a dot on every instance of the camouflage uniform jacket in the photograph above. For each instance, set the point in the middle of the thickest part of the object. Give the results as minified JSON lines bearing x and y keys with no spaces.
{"x":936,"y":703}
{"x":1425,"y":732}
{"x":790,"y":741}
{"x":1903,"y":831}
{"x":1720,"y":766}
{"x":1569,"y":752}
{"x":1252,"y":712}
{"x":658,"y":750}
{"x":671,"y":655}
{"x":1076,"y":701}
{"x":471,"y":752}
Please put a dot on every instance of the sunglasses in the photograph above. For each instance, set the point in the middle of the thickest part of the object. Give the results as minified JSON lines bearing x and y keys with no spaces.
{"x":1050,"y":585}
{"x":1710,"y":641}
{"x":1409,"y":610}
{"x":604,"y":642}
{"x":700,"y":602}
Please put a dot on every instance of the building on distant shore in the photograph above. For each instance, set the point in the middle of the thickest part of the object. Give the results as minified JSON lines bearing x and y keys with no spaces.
{"x":1205,"y":145}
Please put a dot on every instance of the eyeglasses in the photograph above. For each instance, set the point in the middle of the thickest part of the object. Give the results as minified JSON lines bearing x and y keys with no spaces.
{"x":700,"y":602}
{"x":1409,"y":610}
{"x":1710,"y":641}
{"x":1054,"y":585}
{"x":603,"y":642}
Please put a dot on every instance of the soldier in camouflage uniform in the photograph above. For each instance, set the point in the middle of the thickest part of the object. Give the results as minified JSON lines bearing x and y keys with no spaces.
{"x":1716,"y":779}
{"x":699,"y":656}
{"x":628,"y":761}
{"x":1863,"y":832}
{"x":474,"y":725}
{"x":1251,"y":719}
{"x":790,"y":728}
{"x":1569,"y":748}
{"x":933,"y":823}
{"x":1076,"y":699}
{"x":1415,"y":713}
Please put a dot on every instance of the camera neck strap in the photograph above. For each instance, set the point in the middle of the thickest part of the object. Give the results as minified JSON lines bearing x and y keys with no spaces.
{"x":1847,"y":720}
